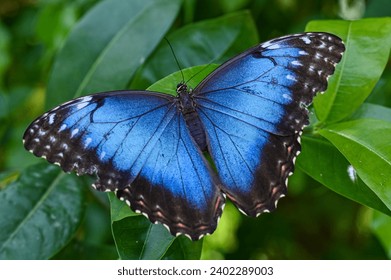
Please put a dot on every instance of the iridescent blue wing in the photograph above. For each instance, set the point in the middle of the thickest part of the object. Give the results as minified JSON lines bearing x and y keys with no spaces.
{"x":253,"y":109}
{"x":139,"y":146}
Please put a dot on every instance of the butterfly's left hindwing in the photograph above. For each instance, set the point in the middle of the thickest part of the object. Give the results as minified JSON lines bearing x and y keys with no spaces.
{"x":139,"y":146}
{"x":253,"y":109}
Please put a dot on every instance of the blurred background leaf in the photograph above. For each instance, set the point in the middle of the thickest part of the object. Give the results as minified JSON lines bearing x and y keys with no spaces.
{"x":101,"y":53}
{"x":207,"y":41}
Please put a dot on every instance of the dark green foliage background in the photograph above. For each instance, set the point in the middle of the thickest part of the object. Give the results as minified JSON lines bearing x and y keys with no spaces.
{"x":54,"y":50}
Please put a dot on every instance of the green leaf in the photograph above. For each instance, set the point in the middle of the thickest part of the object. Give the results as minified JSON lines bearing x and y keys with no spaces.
{"x":368,"y":43}
{"x":137,"y":238}
{"x":334,"y":171}
{"x":366,"y":145}
{"x":118,"y":209}
{"x":372,"y":111}
{"x":197,"y":73}
{"x":104,"y":49}
{"x":40,"y":212}
{"x":206,"y":41}
{"x":381,"y":227}
{"x":54,"y":22}
{"x":184,"y":249}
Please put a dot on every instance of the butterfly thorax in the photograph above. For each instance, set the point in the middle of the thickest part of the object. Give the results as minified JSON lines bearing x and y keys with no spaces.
{"x":187,"y":106}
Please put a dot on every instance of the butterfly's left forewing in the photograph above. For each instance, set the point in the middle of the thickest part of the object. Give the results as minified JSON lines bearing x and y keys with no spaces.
{"x":103,"y":132}
{"x":138,"y":145}
{"x":253,"y":109}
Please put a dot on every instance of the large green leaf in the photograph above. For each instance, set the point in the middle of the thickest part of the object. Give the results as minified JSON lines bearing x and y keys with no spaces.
{"x":334,"y":171}
{"x":199,"y":43}
{"x":368,"y":43}
{"x":40,"y":212}
{"x":105,"y":48}
{"x":366,"y":145}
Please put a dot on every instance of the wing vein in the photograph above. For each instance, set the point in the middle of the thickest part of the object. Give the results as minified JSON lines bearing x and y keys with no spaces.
{"x":233,"y":116}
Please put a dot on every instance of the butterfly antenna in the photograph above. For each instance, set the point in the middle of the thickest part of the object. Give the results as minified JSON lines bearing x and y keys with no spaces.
{"x":203,"y":69}
{"x":176,"y":59}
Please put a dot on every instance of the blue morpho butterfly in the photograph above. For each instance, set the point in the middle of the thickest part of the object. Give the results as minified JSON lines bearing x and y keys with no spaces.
{"x":148,"y":147}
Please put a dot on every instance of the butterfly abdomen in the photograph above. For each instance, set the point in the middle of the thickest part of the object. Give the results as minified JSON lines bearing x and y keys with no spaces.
{"x":196,"y":129}
{"x":186,"y":106}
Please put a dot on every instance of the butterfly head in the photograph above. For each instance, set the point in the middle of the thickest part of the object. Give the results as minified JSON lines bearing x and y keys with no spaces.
{"x":184,"y":98}
{"x":182,"y":88}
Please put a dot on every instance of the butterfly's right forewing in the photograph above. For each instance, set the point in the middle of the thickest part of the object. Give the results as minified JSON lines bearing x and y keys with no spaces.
{"x":253,"y":109}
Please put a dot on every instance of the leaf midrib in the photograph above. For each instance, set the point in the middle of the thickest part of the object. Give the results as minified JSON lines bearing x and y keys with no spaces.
{"x":33,"y":210}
